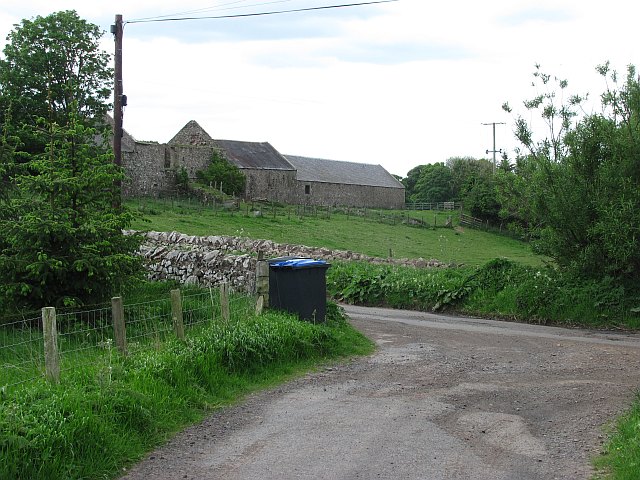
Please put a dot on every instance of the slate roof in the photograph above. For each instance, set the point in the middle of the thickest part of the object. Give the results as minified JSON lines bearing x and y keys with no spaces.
{"x":256,"y":155}
{"x":350,"y":173}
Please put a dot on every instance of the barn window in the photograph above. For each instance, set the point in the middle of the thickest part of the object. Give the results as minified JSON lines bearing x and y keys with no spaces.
{"x":307,"y":189}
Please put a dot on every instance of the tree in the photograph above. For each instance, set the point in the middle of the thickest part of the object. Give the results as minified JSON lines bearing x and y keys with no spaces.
{"x":434,"y":185}
{"x":53,"y":67}
{"x":585,"y":177}
{"x":61,"y":238}
{"x":411,"y":179}
{"x":221,"y":172}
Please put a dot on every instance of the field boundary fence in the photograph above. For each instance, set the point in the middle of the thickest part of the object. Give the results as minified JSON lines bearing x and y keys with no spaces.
{"x":53,"y":344}
{"x":438,"y":206}
{"x":473,"y":222}
{"x":271,"y":209}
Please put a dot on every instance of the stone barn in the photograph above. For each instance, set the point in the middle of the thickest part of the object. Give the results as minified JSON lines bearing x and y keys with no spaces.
{"x":268,"y":174}
{"x":151,"y":169}
{"x":331,"y":182}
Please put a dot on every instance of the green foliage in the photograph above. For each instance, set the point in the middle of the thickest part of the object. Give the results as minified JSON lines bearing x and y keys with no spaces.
{"x":499,"y":288}
{"x":53,"y":67}
{"x":62,"y":241}
{"x":581,"y":181}
{"x":434,"y":185}
{"x":397,"y":287}
{"x":465,"y":179}
{"x":182,"y":180}
{"x":411,"y":180}
{"x":88,"y":428}
{"x":621,"y":456}
{"x":222,"y":172}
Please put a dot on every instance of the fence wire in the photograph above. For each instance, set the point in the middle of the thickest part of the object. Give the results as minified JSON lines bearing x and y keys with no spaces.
{"x":85,"y":339}
{"x":21,"y":351}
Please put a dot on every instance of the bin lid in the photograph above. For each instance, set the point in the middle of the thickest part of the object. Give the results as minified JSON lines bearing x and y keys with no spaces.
{"x":298,"y":263}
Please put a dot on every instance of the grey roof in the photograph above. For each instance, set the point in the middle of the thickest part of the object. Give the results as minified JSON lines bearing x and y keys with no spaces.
{"x":351,"y":173}
{"x":258,"y":155}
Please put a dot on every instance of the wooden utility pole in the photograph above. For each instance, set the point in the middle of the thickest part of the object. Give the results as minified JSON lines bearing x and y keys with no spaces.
{"x":116,"y":29}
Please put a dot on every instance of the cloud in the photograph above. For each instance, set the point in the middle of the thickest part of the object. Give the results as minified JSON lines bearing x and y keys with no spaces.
{"x":536,"y":15}
{"x":396,"y":53}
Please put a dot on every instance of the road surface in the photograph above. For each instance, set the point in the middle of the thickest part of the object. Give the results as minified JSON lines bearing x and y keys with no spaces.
{"x":442,"y":398}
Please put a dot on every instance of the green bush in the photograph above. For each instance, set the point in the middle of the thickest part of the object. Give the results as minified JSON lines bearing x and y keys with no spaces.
{"x":222,"y":172}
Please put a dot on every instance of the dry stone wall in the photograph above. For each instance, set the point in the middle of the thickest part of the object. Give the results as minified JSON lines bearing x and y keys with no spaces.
{"x":213,"y":260}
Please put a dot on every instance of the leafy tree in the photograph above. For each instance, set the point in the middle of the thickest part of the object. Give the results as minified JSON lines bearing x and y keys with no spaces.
{"x":464,"y":173}
{"x":481,"y":199}
{"x":411,"y":179}
{"x":222,"y":172}
{"x":585,"y":180}
{"x":53,"y":67}
{"x":435,"y":184}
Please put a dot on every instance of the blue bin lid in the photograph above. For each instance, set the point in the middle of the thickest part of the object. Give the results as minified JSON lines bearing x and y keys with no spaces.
{"x":298,"y":263}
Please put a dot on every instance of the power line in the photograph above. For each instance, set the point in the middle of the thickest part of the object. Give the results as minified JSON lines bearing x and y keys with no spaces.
{"x":240,"y":15}
{"x":222,"y":6}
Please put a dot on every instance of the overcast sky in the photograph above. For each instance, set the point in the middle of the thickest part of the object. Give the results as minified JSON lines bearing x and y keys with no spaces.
{"x":398,"y":84}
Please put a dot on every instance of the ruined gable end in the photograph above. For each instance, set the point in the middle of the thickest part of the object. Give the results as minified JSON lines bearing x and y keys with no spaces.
{"x":192,"y":134}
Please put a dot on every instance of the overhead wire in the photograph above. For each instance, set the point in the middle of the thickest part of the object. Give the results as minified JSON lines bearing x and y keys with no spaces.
{"x":258,"y":14}
{"x":222,"y":6}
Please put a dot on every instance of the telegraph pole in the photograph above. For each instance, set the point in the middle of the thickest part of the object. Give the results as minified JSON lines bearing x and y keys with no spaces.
{"x":116,"y":29}
{"x":494,"y":151}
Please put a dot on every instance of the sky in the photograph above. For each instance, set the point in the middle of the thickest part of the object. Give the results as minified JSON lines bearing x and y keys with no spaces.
{"x":399,"y":84}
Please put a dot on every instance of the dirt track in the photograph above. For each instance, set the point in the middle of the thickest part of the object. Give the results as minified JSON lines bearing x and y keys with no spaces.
{"x":443,"y":398}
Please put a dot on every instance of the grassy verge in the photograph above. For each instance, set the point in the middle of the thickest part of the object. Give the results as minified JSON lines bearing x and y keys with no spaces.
{"x":341,"y":231}
{"x":500,"y":288}
{"x":104,"y":416}
{"x":621,"y":457}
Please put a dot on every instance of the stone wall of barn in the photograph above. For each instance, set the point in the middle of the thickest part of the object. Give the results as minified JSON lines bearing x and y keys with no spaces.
{"x":151,"y":168}
{"x":271,"y":185}
{"x":337,"y":194}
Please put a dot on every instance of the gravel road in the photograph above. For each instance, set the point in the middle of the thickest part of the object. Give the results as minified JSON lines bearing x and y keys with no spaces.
{"x":442,"y":398}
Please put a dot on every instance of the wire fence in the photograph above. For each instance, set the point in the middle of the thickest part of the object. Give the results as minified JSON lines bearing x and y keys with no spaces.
{"x":86,"y":340}
{"x":21,"y":351}
{"x":412,"y":215}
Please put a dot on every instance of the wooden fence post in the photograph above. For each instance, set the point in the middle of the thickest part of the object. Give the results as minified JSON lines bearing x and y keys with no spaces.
{"x":176,"y":313}
{"x":224,"y":302}
{"x":51,"y":357}
{"x":262,"y":279}
{"x":262,"y":282}
{"x":119,"y":329}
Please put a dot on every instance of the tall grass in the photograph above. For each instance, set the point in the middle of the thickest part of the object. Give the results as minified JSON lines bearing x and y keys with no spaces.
{"x":500,"y":288}
{"x":107,"y":413}
{"x":621,"y":457}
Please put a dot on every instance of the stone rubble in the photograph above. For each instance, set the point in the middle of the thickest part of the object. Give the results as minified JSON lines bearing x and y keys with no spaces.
{"x":216,"y":259}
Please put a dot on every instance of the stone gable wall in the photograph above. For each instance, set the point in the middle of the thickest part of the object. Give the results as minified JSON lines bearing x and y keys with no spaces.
{"x":151,"y":168}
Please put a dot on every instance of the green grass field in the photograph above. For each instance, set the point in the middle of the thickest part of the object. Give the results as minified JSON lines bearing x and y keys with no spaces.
{"x":339,"y":231}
